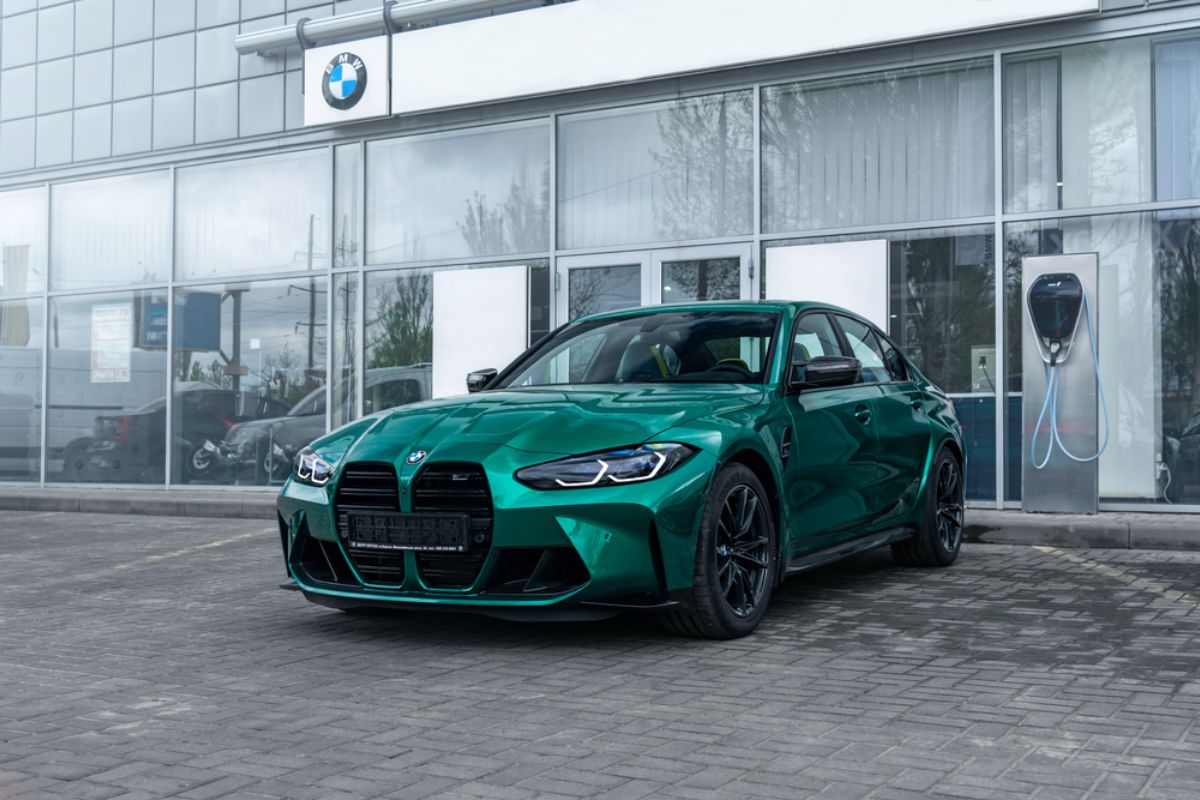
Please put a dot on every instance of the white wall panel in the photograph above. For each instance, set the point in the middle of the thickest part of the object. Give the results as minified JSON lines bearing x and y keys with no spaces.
{"x":600,"y":42}
{"x":480,"y":320}
{"x":852,"y":275}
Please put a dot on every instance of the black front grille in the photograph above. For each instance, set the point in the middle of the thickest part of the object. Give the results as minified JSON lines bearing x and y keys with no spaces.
{"x":368,"y":486}
{"x":461,"y":489}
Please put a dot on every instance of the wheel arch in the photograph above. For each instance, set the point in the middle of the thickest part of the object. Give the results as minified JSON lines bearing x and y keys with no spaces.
{"x":756,"y":462}
{"x":936,"y":446}
{"x":950,"y":443}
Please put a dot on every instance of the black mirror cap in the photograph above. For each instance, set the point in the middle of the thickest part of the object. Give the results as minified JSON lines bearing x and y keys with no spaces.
{"x":479,"y":379}
{"x":824,"y":372}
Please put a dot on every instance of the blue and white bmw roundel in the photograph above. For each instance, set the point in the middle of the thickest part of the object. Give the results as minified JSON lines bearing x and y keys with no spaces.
{"x":345,"y":81}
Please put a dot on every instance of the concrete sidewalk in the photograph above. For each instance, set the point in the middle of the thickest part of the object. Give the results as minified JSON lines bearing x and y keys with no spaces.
{"x":1111,"y":529}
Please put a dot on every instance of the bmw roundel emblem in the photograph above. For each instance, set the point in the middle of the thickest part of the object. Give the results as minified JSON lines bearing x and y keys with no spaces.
{"x":416,"y":457}
{"x":344,"y":81}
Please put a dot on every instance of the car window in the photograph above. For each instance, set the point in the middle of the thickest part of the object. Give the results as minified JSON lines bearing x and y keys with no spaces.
{"x":662,"y":347}
{"x":865,"y":347}
{"x":567,"y":363}
{"x":313,"y":404}
{"x":893,"y":361}
{"x":814,"y":337}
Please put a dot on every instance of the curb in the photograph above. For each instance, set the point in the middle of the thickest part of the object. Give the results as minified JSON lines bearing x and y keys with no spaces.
{"x":1121,"y":530}
{"x":227,"y":505}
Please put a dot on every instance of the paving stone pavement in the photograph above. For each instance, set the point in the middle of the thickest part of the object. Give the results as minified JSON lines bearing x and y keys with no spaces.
{"x":150,"y":657}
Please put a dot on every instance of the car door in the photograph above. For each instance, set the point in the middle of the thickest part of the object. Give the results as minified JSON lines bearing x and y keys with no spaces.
{"x":901,"y":425}
{"x":830,"y":469}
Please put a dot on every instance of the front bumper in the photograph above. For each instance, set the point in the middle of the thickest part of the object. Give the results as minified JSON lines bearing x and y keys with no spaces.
{"x":596,"y":551}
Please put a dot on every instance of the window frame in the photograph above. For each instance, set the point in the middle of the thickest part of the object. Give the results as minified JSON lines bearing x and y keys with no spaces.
{"x":881,"y":337}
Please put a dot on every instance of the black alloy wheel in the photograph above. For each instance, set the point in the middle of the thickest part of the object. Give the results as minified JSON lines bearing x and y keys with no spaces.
{"x":743,"y":550}
{"x":734,"y":573}
{"x":939,"y":536}
{"x":950,"y":505}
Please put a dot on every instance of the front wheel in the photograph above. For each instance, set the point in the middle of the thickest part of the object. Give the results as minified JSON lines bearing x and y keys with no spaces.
{"x":735,"y":560}
{"x":939,"y":536}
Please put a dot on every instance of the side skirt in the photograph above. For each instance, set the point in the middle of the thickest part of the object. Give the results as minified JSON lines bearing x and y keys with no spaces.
{"x":819,"y":558}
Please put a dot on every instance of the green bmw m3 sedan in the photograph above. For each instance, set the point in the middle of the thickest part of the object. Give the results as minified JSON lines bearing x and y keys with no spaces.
{"x":679,"y":459}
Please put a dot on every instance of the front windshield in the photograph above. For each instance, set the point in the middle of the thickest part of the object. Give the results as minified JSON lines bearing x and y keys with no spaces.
{"x":662,"y":347}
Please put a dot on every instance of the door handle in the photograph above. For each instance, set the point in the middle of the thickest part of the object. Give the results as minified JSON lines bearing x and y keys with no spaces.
{"x":862,"y":414}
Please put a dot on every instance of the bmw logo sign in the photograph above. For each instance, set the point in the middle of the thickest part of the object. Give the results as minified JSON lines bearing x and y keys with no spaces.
{"x":344,"y":81}
{"x":416,"y":457}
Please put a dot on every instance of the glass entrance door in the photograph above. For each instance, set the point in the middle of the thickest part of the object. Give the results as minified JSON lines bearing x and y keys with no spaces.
{"x":610,"y":281}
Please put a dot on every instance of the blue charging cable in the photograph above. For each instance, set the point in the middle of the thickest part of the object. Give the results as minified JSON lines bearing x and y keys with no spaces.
{"x":1051,"y":403}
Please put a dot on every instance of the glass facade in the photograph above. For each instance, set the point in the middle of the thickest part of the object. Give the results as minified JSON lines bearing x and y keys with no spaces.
{"x":198,"y":323}
{"x":878,"y":149}
{"x":482,"y":192}
{"x":106,"y":418}
{"x":21,"y":341}
{"x":248,"y":377}
{"x":91,"y":246}
{"x":664,"y":172}
{"x":268,"y":214}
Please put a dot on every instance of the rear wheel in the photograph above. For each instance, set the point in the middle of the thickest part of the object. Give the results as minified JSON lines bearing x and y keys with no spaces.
{"x":735,"y":560}
{"x":939,"y":537}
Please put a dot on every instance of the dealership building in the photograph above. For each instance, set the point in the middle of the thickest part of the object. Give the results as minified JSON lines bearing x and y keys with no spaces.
{"x":226,"y":227}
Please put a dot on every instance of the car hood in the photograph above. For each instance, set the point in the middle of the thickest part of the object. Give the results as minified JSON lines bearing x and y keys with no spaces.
{"x":559,"y":420}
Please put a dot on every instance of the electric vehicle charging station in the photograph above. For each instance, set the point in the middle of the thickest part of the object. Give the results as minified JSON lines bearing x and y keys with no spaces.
{"x":1063,"y":410}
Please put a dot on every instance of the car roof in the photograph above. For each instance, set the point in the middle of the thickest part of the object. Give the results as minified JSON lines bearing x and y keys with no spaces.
{"x":718,"y":305}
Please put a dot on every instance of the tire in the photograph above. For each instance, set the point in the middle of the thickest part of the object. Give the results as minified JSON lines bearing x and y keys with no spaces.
{"x":198,"y":464}
{"x":735,"y":569}
{"x":75,"y":461}
{"x":939,"y":536}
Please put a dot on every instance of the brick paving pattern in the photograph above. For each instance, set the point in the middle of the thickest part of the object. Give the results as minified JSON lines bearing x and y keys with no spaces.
{"x":149,"y":658}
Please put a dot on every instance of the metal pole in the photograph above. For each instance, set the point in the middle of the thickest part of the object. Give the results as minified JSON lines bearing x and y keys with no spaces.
{"x":360,"y":23}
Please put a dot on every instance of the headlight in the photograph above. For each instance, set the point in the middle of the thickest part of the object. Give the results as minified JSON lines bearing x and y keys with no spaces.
{"x":312,"y":469}
{"x":625,"y":465}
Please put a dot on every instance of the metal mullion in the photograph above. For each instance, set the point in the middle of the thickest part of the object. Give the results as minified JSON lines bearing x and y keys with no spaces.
{"x":108,"y":289}
{"x":894,"y":227}
{"x":668,"y":244}
{"x":756,"y":165}
{"x":433,"y":130}
{"x":1000,"y":382}
{"x":552,"y":234}
{"x":169,"y":427}
{"x":504,"y":258}
{"x":360,"y":355}
{"x":1104,"y":36}
{"x":330,"y":288}
{"x":1103,"y":211}
{"x":43,"y":439}
{"x":359,"y":367}
{"x":267,"y":277}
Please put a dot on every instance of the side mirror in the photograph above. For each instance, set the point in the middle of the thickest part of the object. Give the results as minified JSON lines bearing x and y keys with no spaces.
{"x":479,"y":378}
{"x":823,"y":372}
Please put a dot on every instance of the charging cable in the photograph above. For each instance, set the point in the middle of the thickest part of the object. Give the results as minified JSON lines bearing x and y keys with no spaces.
{"x":1051,"y":402}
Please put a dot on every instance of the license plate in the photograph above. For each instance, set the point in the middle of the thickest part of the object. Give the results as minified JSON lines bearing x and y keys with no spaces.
{"x":439,"y":533}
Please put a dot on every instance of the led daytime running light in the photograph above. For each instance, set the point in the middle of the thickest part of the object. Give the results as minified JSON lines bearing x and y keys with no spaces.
{"x":312,"y":469}
{"x":619,"y":466}
{"x":592,"y":482}
{"x":653,"y":473}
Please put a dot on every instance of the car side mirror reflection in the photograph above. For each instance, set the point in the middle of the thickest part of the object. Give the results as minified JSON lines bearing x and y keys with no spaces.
{"x":824,"y":372}
{"x":479,"y":378}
